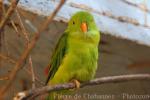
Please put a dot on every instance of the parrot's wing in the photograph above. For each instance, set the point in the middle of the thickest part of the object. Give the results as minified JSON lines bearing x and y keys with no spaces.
{"x":57,"y":56}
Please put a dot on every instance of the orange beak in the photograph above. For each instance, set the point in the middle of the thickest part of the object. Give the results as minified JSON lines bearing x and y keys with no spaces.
{"x":84,"y":27}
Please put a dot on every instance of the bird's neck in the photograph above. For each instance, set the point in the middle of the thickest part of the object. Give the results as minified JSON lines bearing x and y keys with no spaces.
{"x":91,"y":37}
{"x":83,"y":42}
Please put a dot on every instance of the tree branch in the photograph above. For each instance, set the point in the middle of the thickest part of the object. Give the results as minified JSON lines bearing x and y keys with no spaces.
{"x":28,"y":49}
{"x":7,"y":58}
{"x":32,"y":72}
{"x":98,"y":81}
{"x":27,"y":43}
{"x":4,"y":78}
{"x":9,"y":13}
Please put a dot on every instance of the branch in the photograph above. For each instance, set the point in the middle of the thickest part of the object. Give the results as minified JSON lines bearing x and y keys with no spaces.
{"x":4,"y":78}
{"x":98,"y":81}
{"x":32,"y":72}
{"x":27,"y":43}
{"x":7,"y":58}
{"x":28,"y":49}
{"x":1,"y":15}
{"x":36,"y":77}
{"x":9,"y":13}
{"x":15,"y":27}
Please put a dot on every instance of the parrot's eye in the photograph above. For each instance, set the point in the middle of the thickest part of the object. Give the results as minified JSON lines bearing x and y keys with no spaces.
{"x":73,"y":22}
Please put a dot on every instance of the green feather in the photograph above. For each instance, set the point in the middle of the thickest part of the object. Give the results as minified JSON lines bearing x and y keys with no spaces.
{"x":57,"y":56}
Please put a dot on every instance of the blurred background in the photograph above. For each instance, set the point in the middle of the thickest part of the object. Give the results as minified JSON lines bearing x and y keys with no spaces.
{"x":124,"y":47}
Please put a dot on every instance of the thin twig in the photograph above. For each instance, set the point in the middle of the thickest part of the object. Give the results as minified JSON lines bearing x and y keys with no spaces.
{"x":98,"y":81}
{"x":27,"y":44}
{"x":50,"y":18}
{"x":15,"y":27}
{"x":1,"y":33}
{"x":1,"y":9}
{"x":7,"y":58}
{"x":28,"y":49}
{"x":32,"y":72}
{"x":36,"y":77}
{"x":9,"y":13}
{"x":23,"y":28}
{"x":6,"y":17}
{"x":4,"y":78}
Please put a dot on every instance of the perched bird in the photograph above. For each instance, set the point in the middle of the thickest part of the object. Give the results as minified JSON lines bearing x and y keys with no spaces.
{"x":76,"y":54}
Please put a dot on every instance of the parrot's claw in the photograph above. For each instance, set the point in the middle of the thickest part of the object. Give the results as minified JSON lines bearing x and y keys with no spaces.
{"x":77,"y":84}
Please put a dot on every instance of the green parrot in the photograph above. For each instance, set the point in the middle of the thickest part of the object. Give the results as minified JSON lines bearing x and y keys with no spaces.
{"x":76,"y":54}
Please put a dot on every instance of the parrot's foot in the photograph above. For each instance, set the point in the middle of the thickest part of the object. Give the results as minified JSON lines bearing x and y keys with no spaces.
{"x":77,"y":83}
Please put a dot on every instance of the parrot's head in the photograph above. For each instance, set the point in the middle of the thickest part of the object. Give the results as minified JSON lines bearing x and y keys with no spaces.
{"x":82,"y":23}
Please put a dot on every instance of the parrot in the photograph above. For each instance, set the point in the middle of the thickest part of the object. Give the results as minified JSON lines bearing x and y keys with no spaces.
{"x":76,"y":54}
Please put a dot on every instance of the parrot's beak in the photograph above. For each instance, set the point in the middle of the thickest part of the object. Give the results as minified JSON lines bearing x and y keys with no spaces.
{"x":84,"y":27}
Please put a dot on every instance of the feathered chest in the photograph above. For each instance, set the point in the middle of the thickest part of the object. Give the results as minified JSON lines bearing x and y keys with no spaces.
{"x":84,"y":52}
